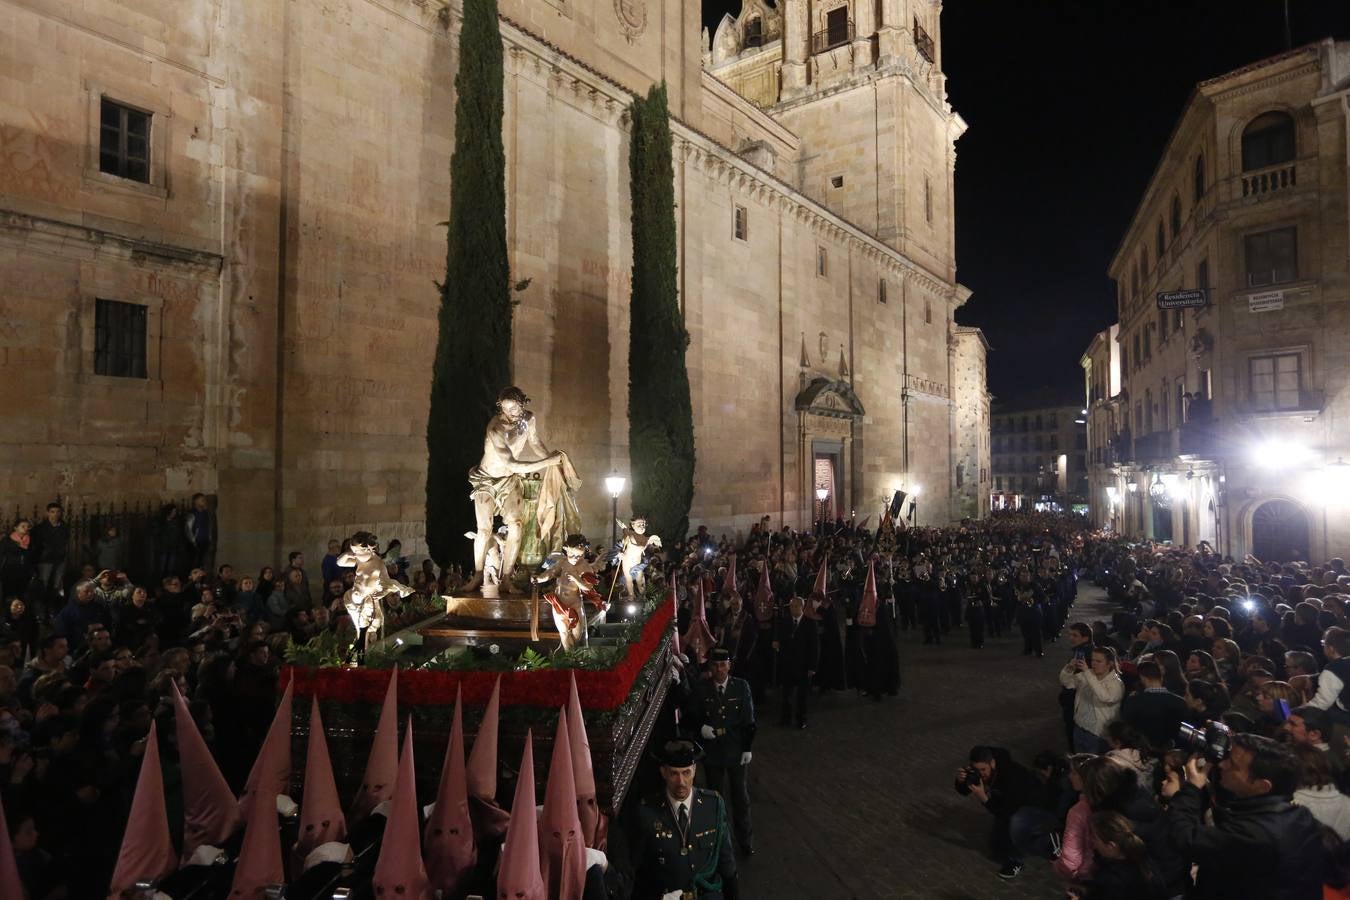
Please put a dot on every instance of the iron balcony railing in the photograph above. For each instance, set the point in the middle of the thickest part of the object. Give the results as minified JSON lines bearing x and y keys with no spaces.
{"x":835,"y":36}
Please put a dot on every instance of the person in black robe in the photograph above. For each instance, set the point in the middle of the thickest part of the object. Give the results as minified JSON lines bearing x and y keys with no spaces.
{"x":737,"y":633}
{"x":764,"y":612}
{"x":976,"y":601}
{"x":883,"y":658}
{"x":830,"y":671}
{"x":929,"y":602}
{"x":906,"y":599}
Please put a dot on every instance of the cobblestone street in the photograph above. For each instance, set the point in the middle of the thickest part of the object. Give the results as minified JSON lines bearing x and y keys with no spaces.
{"x":860,"y":805}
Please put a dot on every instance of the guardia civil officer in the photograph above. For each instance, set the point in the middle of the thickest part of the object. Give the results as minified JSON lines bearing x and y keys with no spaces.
{"x":679,"y":841}
{"x":723,"y":713}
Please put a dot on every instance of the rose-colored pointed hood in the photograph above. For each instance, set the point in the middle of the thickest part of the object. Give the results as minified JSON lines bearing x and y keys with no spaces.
{"x":210,"y":812}
{"x":518,"y":877}
{"x":271,"y":772}
{"x":260,"y":863}
{"x":399,"y":871}
{"x":764,"y":605}
{"x":729,"y":582}
{"x":482,"y":768}
{"x":321,"y":819}
{"x":10,"y":884}
{"x":377,"y":784}
{"x":583,"y":776}
{"x":451,"y":852}
{"x":147,"y":851}
{"x":822,"y":576}
{"x":560,"y":826}
{"x":698,"y":637}
{"x":867,"y":609}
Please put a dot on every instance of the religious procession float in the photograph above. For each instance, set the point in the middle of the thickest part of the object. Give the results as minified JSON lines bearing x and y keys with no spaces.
{"x":484,"y":643}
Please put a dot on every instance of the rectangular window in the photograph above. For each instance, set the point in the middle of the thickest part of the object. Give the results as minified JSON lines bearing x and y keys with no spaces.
{"x":1054,"y":443}
{"x":1203,"y":390}
{"x":1274,"y":381}
{"x":1179,"y":320}
{"x":1148,"y":343}
{"x":1202,"y":275}
{"x":741,"y":224}
{"x":124,"y":141}
{"x":1164,"y":408}
{"x":1272,"y":257}
{"x":923,"y":42}
{"x":1181,"y":400}
{"x":881,"y":290}
{"x":928,"y":312}
{"x":928,"y":199}
{"x":822,"y":263}
{"x":836,"y":27}
{"x":119,"y":339}
{"x":1138,"y":357}
{"x":1162,"y":325}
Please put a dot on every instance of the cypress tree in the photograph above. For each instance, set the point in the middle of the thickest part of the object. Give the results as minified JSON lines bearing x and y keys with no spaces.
{"x":473,"y":348}
{"x":660,"y":415}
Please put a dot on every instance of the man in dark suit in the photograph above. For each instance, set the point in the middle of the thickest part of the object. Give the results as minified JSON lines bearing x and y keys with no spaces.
{"x":679,"y":843}
{"x":1155,"y":712}
{"x":798,"y":649}
{"x":724,"y":715}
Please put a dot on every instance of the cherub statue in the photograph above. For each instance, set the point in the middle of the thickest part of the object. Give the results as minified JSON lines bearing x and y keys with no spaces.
{"x":492,"y":563}
{"x":576,"y":581}
{"x":369,"y":588}
{"x":633,"y":554}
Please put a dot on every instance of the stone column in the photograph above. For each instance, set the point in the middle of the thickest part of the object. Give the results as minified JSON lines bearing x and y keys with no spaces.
{"x":796,"y":39}
{"x":892,"y":32}
{"x":864,"y":27}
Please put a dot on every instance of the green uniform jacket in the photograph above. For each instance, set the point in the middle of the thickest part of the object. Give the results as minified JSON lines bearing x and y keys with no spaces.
{"x":732,"y":720}
{"x":662,"y":864}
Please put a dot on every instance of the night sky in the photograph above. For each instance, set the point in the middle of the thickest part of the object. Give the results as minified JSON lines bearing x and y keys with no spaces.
{"x":1069,"y":105}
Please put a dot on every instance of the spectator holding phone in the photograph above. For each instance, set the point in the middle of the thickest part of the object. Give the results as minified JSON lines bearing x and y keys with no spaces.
{"x":1099,"y":692}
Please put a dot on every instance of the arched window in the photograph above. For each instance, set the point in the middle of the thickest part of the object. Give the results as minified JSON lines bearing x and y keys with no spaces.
{"x":1268,"y":140}
{"x":1176,"y":216}
{"x":1199,"y":176}
{"x":754,"y":32}
{"x":1160,"y":241}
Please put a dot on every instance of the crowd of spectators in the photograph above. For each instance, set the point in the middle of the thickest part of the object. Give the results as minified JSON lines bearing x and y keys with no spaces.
{"x":1208,"y":732}
{"x":89,"y":658}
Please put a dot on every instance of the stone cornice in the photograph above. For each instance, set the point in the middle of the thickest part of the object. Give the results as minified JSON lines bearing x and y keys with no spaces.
{"x":41,"y":234}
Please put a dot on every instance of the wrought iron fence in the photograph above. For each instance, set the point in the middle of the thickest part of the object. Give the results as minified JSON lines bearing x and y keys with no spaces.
{"x":137,"y":525}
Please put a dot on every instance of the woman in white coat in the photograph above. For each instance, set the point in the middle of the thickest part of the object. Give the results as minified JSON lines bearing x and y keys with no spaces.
{"x":1097,"y":701}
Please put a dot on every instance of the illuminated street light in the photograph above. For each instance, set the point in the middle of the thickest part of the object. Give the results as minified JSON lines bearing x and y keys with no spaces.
{"x":1276,"y":453}
{"x":614,"y":484}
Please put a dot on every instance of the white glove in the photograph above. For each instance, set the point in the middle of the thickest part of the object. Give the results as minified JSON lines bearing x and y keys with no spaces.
{"x":672,"y":895}
{"x":674,"y":676}
{"x":597,"y":858}
{"x":745,"y":758}
{"x":707,"y":732}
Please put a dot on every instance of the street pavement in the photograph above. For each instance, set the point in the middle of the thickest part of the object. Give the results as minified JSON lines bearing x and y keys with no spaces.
{"x":861,"y":805}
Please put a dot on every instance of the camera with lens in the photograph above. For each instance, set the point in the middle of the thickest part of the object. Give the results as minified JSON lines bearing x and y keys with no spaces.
{"x":972,"y":777}
{"x":1213,"y":740}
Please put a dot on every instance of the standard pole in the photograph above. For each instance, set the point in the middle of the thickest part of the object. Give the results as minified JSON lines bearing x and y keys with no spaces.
{"x":614,"y":522}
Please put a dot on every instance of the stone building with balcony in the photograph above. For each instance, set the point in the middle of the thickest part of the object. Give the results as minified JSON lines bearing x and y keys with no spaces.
{"x":1233,"y":301}
{"x":1101,"y":397}
{"x":1039,"y":453}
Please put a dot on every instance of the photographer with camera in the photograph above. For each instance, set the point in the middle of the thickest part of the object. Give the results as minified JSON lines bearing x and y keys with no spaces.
{"x":1013,"y":795}
{"x":1260,"y":845}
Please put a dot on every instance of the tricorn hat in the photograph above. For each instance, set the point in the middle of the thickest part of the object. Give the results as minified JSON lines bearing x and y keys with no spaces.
{"x":678,"y":754}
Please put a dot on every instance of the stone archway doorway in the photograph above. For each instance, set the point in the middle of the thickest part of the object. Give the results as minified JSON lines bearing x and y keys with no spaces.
{"x":1280,"y":531}
{"x":827,"y":413}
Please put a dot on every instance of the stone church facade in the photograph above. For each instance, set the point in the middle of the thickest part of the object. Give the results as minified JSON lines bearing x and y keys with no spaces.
{"x":220,"y":225}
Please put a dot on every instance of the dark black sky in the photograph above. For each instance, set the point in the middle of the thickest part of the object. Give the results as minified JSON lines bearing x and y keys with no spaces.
{"x":1069,"y":105}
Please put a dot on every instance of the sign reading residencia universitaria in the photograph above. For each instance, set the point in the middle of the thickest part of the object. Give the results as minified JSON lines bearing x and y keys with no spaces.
{"x":1188,"y":299}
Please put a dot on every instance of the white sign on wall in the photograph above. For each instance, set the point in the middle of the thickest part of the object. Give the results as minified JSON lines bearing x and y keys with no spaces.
{"x":1266,"y":301}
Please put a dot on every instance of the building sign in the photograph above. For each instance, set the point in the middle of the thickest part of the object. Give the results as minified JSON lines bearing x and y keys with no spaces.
{"x":1266,"y":301}
{"x":1193,"y":299}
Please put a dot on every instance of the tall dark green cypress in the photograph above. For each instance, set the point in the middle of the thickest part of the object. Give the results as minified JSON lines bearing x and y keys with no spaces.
{"x":660,"y":415}
{"x":473,"y":348}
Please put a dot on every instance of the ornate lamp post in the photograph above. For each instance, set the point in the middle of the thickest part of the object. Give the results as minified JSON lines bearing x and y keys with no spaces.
{"x":614,"y":484}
